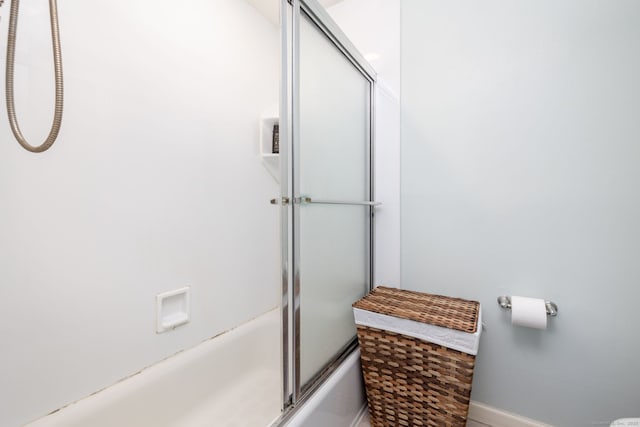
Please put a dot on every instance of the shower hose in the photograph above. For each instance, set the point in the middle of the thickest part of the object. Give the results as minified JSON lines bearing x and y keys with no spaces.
{"x":57,"y":61}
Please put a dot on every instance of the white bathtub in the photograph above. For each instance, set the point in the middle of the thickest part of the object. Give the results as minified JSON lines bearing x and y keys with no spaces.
{"x":230,"y":380}
{"x":339,"y":402}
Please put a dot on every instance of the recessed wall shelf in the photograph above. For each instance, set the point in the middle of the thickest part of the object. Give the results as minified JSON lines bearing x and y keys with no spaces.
{"x":270,"y":160}
{"x":172,"y":309}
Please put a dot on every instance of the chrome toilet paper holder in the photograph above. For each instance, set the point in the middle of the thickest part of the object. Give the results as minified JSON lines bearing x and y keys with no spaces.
{"x":552,"y":309}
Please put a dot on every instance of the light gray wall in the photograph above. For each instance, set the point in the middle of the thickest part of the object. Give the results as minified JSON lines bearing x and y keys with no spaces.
{"x":520,"y":175}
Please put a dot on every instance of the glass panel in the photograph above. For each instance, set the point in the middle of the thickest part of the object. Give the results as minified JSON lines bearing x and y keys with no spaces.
{"x":333,"y":157}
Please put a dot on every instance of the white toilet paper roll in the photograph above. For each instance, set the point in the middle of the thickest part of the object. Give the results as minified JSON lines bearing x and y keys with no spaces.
{"x":529,"y":312}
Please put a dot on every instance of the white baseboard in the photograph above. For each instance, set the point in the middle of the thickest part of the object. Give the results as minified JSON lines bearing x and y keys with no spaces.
{"x":484,"y":414}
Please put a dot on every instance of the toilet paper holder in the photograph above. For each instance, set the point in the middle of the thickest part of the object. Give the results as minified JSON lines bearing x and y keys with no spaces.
{"x":552,"y":308}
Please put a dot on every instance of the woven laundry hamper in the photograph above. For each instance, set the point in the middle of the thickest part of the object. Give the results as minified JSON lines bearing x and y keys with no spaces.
{"x":418,"y":354}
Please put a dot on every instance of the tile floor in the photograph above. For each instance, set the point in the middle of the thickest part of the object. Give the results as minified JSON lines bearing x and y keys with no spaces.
{"x":364,"y":421}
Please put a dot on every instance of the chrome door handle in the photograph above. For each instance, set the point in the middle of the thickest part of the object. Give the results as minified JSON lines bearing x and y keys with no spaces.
{"x":303,"y":200}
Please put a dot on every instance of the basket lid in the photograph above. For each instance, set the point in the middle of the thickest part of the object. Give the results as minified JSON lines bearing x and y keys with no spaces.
{"x":439,"y":310}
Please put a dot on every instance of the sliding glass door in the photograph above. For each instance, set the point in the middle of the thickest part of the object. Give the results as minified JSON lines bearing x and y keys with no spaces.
{"x":327,"y":193}
{"x":332,"y":215}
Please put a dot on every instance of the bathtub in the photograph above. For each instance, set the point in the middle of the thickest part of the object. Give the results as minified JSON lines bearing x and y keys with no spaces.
{"x":230,"y":380}
{"x":339,"y":402}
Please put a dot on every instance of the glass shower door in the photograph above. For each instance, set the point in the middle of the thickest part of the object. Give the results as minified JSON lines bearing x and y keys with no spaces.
{"x":332,"y":194}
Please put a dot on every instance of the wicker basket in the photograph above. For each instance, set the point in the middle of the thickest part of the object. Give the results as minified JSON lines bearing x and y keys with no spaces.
{"x":418,"y":354}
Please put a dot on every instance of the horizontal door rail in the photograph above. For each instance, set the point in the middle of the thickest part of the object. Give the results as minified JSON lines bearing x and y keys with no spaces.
{"x":303,"y":200}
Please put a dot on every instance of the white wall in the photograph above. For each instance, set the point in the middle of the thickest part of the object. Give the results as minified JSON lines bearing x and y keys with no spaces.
{"x":154,"y":183}
{"x":520,"y":176}
{"x":373,"y":26}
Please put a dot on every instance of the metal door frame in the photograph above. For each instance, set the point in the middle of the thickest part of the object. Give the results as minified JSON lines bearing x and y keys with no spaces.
{"x":290,"y":16}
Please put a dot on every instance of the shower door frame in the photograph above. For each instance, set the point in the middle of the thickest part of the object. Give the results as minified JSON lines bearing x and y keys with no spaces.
{"x":293,"y":394}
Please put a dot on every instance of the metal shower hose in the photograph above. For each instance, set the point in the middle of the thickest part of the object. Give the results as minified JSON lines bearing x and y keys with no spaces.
{"x":57,"y":61}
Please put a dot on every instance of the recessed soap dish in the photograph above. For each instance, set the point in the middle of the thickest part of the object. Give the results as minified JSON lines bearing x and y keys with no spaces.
{"x":172,"y":309}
